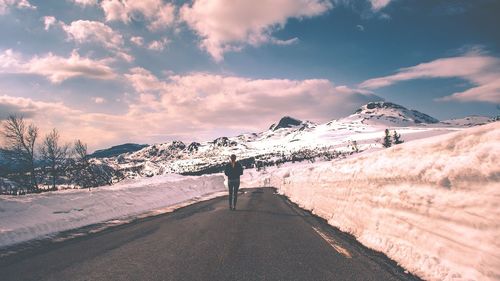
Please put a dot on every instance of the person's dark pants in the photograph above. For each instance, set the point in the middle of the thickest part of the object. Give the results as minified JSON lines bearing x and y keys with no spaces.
{"x":233,"y":192}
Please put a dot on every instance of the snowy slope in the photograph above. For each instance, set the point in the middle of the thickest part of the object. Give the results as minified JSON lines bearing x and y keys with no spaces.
{"x":431,"y":204}
{"x":32,"y":216}
{"x":468,"y":121}
{"x":390,"y":114}
{"x":283,"y":139}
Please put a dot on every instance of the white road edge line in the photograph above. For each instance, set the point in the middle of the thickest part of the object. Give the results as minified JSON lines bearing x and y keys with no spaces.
{"x":332,"y":243}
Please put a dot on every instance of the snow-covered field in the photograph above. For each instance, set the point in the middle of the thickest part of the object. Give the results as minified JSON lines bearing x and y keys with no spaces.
{"x":432,"y":205}
{"x":32,"y":216}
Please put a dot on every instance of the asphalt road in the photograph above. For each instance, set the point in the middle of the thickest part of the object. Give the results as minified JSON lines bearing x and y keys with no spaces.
{"x":266,"y":238}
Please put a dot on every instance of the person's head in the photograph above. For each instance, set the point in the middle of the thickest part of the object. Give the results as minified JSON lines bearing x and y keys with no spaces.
{"x":233,"y":158}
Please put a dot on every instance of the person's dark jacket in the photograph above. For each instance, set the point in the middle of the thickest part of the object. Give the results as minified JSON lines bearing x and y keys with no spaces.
{"x":233,"y":174}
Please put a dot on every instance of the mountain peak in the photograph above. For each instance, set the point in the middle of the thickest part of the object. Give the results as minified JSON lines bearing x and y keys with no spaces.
{"x":286,"y":122}
{"x":392,"y":114}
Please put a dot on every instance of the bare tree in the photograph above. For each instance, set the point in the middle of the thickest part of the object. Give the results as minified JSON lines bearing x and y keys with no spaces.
{"x":88,"y":174}
{"x":80,"y":151}
{"x":20,"y":139}
{"x":54,"y":155}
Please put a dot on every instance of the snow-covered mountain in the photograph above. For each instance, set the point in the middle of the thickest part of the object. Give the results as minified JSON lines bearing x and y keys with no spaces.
{"x":390,"y":114}
{"x":289,"y":139}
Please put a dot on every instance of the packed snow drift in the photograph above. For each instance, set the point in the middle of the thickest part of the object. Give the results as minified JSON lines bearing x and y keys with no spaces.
{"x":432,"y":205}
{"x":32,"y":216}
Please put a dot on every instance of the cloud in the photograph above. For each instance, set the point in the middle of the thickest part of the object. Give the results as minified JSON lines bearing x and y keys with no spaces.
{"x":72,"y":123}
{"x":98,"y":100}
{"x":137,"y":40}
{"x":84,"y":31}
{"x":158,"y":45}
{"x":157,"y":14}
{"x":155,"y":45}
{"x":230,"y":25}
{"x":284,"y":42}
{"x":55,"y":68}
{"x":481,"y":70}
{"x":196,"y":106}
{"x":85,"y":2}
{"x":49,"y":21}
{"x":23,"y":106}
{"x":378,"y":5}
{"x":252,"y":104}
{"x":7,"y":108}
{"x":6,"y":5}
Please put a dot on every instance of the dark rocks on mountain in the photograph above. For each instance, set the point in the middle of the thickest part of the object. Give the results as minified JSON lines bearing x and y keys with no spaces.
{"x":117,"y":150}
{"x":164,"y":150}
{"x":383,"y":104}
{"x":193,"y":146}
{"x":286,"y":122}
{"x":177,"y":145}
{"x":223,"y":141}
{"x":304,"y":126}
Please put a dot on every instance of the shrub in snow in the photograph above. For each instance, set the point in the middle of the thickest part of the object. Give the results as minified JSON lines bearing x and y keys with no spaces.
{"x":386,"y":141}
{"x":397,"y":138}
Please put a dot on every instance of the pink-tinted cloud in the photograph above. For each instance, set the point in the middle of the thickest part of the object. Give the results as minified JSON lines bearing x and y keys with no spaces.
{"x":230,"y":25}
{"x":197,"y":106}
{"x":49,"y":21}
{"x":55,"y":68}
{"x":6,"y":5}
{"x":158,"y":45}
{"x":157,"y":13}
{"x":85,"y":2}
{"x":85,"y":31}
{"x":377,"y":5}
{"x":209,"y":99}
{"x":98,"y":100}
{"x":94,"y":128}
{"x":137,"y":40}
{"x":481,"y":70}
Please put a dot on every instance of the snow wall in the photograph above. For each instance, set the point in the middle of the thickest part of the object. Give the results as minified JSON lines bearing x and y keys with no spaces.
{"x":32,"y":216}
{"x":432,"y":205}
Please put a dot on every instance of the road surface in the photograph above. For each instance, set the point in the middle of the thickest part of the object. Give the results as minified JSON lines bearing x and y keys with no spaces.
{"x":266,"y":238}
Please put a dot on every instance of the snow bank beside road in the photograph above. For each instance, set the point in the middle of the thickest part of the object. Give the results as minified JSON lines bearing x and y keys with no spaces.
{"x":433,"y":205}
{"x":27,"y":217}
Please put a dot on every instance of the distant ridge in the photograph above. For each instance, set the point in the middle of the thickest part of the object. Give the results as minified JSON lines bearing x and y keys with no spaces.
{"x":117,"y":150}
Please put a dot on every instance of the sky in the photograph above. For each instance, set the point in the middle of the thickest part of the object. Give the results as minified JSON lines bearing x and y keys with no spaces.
{"x":151,"y":71}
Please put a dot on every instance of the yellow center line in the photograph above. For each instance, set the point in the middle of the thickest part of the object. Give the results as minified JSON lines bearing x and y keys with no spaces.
{"x":332,"y":243}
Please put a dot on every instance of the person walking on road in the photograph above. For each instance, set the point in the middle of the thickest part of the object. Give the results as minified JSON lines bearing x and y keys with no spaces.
{"x":233,"y":171}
